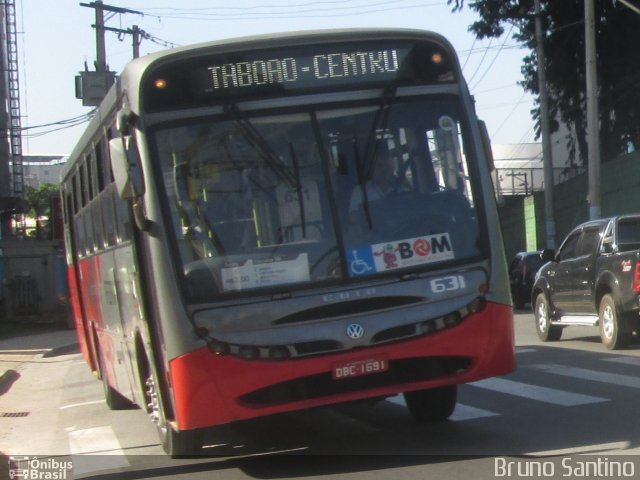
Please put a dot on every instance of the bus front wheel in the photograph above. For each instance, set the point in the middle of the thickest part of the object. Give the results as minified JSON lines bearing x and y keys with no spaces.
{"x":432,"y":405}
{"x":175,"y":444}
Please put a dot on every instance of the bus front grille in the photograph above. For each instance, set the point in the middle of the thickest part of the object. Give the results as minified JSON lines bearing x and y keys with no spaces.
{"x":323,"y":385}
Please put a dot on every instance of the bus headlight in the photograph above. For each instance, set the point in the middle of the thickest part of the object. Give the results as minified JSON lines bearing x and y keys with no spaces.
{"x":279,"y":353}
{"x":219,"y":348}
{"x":249,"y":352}
{"x":477,"y":305}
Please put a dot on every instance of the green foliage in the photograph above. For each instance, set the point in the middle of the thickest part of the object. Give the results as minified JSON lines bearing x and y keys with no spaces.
{"x":618,"y":63}
{"x":39,"y":199}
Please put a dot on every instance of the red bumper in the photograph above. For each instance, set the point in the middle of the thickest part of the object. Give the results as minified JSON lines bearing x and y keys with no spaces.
{"x":209,"y":389}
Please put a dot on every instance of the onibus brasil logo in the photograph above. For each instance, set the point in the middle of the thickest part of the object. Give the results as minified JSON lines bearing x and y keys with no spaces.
{"x":33,"y":468}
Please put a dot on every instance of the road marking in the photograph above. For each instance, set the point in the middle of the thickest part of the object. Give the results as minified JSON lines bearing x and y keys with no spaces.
{"x":74,"y":405}
{"x":525,"y":350}
{"x":624,"y":360}
{"x":598,"y":449}
{"x":95,"y":449}
{"x":461,"y":413}
{"x":534,"y":392}
{"x":466,"y":412}
{"x":591,"y":375}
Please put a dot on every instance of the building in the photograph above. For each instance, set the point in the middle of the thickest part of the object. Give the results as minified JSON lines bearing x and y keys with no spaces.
{"x":38,"y":169}
{"x":520,"y":167}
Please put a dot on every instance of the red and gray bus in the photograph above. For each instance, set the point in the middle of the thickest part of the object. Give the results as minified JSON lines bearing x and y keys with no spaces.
{"x":232,"y":252}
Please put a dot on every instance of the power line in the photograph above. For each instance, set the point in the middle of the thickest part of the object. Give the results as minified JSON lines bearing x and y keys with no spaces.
{"x":481,"y":61}
{"x":287,"y":6}
{"x":494,"y":59}
{"x":60,"y":124}
{"x":509,"y":115}
{"x":83,"y":117}
{"x":247,"y":13}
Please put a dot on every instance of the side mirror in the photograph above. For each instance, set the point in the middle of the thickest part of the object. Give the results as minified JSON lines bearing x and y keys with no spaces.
{"x":127,"y":169}
{"x":548,"y":255}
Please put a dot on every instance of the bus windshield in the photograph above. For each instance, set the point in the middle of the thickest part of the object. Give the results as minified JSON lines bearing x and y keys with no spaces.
{"x":315,"y":195}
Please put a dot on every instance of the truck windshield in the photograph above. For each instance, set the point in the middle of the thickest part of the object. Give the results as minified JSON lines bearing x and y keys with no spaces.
{"x":318,"y":195}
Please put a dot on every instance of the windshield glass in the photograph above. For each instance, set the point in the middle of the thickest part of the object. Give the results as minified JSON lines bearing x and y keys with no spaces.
{"x":318,"y":195}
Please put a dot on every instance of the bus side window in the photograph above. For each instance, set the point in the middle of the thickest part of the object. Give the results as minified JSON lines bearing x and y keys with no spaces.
{"x":98,"y":154}
{"x":108,"y":218}
{"x":95,"y":215}
{"x":123,"y":218}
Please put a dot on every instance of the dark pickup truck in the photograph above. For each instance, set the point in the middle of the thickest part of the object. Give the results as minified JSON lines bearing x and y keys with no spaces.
{"x":593,"y":279}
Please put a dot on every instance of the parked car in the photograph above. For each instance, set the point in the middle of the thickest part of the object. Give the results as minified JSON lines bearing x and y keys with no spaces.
{"x":593,"y":279}
{"x":522,"y":272}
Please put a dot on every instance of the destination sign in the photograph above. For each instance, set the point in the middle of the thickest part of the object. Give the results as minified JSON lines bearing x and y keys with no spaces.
{"x":222,"y":77}
{"x":324,"y":66}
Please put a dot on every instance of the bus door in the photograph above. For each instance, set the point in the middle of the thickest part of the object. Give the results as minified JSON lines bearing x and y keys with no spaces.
{"x":128,"y":312}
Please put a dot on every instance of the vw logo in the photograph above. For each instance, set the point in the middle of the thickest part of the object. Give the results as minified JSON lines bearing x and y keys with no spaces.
{"x":355,"y":331}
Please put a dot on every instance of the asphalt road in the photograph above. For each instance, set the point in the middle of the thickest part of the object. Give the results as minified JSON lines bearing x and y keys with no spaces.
{"x":567,"y":398}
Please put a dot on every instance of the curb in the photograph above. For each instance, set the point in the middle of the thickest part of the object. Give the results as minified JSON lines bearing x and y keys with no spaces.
{"x":62,"y":350}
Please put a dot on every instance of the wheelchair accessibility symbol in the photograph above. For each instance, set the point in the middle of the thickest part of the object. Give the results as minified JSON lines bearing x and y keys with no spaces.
{"x":357,"y":265}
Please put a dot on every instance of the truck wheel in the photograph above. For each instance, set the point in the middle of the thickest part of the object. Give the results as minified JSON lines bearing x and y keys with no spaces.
{"x":610,"y":331}
{"x":432,"y":405}
{"x":542,"y":315}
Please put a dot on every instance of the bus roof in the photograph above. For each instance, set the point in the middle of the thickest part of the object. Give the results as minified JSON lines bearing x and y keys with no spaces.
{"x":133,"y":73}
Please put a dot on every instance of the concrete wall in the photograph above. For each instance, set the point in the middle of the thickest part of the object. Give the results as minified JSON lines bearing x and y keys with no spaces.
{"x":33,"y":280}
{"x":620,"y":193}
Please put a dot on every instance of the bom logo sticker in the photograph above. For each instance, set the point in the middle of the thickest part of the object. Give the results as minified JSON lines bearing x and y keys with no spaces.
{"x":399,"y":254}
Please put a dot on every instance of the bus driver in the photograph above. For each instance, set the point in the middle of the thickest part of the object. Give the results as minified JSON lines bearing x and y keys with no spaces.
{"x":383,"y":183}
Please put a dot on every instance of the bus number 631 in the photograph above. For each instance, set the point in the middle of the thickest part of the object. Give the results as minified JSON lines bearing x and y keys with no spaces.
{"x":445,"y":284}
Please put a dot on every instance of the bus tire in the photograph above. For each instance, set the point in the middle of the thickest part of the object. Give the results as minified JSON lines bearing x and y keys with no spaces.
{"x":187,"y":443}
{"x":432,"y":405}
{"x":542,"y":316}
{"x":175,"y":444}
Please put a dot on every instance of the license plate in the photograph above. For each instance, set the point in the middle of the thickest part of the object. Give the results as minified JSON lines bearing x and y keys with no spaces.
{"x":357,"y":368}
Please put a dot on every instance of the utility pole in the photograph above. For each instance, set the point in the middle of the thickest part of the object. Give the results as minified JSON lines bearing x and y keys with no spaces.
{"x":546,"y":135}
{"x":593,"y":130}
{"x":101,"y":49}
{"x":91,"y":87}
{"x":135,"y":40}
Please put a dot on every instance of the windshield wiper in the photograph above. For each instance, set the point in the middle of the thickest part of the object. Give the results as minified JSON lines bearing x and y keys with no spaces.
{"x":365,"y":167}
{"x":259,"y":143}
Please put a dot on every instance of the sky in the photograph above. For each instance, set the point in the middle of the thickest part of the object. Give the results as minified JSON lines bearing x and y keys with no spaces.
{"x":56,"y":38}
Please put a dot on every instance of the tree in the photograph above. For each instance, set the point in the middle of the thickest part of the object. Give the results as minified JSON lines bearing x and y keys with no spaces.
{"x":39,"y":199}
{"x":39,"y":204}
{"x":618,"y":65}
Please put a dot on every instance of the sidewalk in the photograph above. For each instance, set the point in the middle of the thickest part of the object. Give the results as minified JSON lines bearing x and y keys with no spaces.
{"x":16,"y":352}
